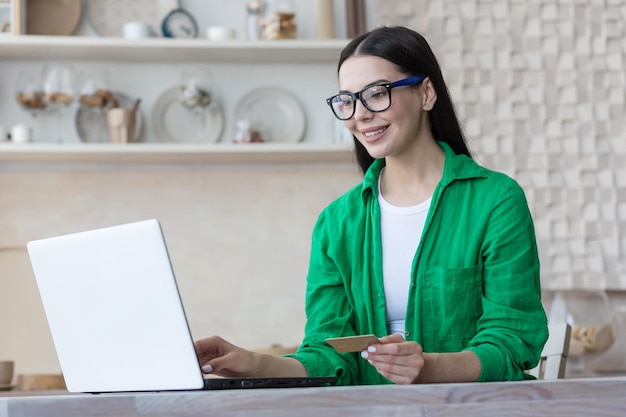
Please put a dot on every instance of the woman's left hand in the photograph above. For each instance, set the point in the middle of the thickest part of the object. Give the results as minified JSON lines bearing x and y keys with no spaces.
{"x":396,"y":359}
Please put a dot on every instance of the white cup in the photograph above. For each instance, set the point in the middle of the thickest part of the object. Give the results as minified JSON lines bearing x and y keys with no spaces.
{"x":21,"y":134}
{"x":220,"y":33}
{"x":136,"y":30}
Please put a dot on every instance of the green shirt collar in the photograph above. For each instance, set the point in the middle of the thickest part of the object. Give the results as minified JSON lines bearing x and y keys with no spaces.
{"x":456,"y":167}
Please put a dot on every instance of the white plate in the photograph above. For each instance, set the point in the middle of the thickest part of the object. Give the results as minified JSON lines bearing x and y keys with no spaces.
{"x":91,"y":123}
{"x":274,"y":112}
{"x":108,"y":16}
{"x":173,"y":122}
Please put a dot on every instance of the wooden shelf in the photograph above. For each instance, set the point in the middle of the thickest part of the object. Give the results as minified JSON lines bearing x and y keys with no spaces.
{"x":149,"y":153}
{"x":32,"y":47}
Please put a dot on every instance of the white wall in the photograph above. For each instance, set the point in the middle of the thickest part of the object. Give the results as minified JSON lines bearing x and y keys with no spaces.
{"x":238,"y":237}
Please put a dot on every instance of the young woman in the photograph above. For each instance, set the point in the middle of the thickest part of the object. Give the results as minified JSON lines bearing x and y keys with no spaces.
{"x":431,"y":252}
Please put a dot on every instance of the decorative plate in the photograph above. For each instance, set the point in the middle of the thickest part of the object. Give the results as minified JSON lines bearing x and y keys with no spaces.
{"x":107,"y":17}
{"x":172,"y":121}
{"x":91,"y":123}
{"x":274,"y":113}
{"x":53,"y":17}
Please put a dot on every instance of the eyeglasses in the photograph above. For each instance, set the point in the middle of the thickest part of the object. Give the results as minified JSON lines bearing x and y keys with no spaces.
{"x":375,"y":98}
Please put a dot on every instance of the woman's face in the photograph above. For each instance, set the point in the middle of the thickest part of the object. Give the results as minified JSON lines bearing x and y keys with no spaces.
{"x":392,"y":131}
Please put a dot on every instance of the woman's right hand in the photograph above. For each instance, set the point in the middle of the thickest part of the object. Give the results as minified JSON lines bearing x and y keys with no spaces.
{"x":219,"y":357}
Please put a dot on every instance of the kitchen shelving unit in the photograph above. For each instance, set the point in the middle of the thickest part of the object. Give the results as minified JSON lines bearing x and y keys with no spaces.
{"x":161,"y":50}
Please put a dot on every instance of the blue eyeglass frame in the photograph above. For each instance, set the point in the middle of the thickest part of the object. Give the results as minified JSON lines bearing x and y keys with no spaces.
{"x":413,"y":80}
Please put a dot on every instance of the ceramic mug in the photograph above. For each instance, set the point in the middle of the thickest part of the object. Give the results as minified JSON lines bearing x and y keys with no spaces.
{"x":6,"y":372}
{"x":21,"y":134}
{"x":121,"y":124}
{"x":220,"y":33}
{"x":136,"y":30}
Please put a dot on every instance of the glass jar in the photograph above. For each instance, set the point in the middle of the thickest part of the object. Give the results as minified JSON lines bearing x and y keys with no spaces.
{"x":93,"y":85}
{"x":590,"y":314}
{"x":614,"y":360}
{"x":197,"y":93}
{"x":255,"y":11}
{"x":279,"y":21}
{"x":29,"y":94}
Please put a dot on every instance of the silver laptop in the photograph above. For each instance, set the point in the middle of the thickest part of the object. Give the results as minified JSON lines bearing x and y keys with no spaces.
{"x":116,"y":316}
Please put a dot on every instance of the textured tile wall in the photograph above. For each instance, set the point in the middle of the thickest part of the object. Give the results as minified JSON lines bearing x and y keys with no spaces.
{"x":540,"y":87}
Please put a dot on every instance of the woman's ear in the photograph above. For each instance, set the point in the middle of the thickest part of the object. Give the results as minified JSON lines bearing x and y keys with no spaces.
{"x":429,"y":95}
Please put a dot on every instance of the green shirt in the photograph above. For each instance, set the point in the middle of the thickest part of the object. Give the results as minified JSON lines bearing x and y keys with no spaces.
{"x":474,"y":282}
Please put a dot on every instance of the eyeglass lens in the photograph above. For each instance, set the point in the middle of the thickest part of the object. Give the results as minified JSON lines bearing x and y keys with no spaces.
{"x":375,"y":98}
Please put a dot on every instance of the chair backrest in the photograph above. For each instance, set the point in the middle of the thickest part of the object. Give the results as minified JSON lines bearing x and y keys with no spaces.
{"x":554,"y":354}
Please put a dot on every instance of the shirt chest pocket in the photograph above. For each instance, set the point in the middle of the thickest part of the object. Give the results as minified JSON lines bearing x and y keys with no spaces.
{"x":452,"y":304}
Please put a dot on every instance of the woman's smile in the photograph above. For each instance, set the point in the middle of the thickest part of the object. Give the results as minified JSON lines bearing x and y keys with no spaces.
{"x":373,"y":134}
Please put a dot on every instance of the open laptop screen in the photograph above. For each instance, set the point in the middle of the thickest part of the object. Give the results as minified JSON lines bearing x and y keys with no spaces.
{"x":115,"y":313}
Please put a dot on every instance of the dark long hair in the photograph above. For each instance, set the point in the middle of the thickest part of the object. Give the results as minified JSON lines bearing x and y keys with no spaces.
{"x":411,"y":54}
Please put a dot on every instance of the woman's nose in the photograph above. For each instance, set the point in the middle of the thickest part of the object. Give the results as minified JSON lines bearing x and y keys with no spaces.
{"x":361,"y":112}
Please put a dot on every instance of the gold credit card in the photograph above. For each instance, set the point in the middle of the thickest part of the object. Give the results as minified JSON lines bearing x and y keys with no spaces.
{"x":352,"y":343}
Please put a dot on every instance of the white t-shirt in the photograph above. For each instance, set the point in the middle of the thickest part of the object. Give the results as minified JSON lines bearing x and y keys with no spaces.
{"x":401,"y":230}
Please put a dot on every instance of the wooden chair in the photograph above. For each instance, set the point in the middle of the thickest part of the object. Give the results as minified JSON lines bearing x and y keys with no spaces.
{"x":554,"y":354}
